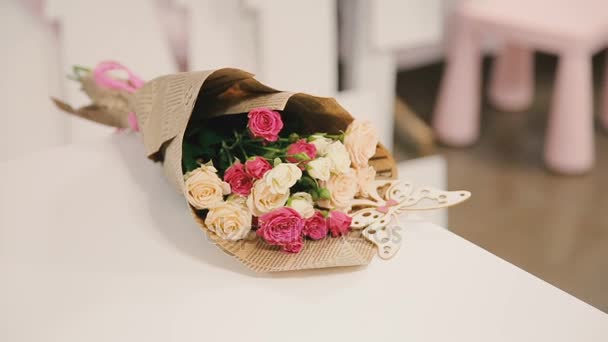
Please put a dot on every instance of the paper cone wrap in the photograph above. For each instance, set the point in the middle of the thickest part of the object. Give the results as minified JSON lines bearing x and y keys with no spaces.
{"x":164,"y":106}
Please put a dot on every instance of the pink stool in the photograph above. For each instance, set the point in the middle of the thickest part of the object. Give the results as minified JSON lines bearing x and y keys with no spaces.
{"x":573,"y":30}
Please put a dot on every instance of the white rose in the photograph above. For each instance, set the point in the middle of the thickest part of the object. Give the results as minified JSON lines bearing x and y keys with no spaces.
{"x":342,"y":189}
{"x":262,"y":200}
{"x":282,"y":177}
{"x":320,"y":143}
{"x":365,"y":178}
{"x":204,"y":188}
{"x":338,"y":157}
{"x":230,"y":220}
{"x":360,"y":140}
{"x":319,"y":168}
{"x":302,"y":203}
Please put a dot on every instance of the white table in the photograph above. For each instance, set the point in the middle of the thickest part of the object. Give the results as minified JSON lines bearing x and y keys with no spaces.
{"x":96,"y":246}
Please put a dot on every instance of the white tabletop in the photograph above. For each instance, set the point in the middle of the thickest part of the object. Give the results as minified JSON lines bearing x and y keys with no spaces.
{"x":96,"y":246}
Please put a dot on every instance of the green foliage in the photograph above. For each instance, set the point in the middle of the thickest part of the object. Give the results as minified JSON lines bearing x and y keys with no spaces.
{"x":208,"y":137}
{"x":189,"y":157}
{"x":201,"y":146}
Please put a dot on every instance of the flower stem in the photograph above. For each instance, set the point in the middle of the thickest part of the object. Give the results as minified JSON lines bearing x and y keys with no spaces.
{"x":271,"y":149}
{"x":335,"y":136}
{"x":226,"y":151}
{"x":243,"y":151}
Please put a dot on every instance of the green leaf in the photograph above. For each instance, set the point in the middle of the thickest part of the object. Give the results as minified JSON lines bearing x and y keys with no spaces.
{"x":207,"y":138}
{"x":189,"y":156}
{"x":308,"y":182}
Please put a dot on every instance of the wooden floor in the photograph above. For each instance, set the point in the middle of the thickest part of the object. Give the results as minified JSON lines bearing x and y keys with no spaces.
{"x":552,"y":226}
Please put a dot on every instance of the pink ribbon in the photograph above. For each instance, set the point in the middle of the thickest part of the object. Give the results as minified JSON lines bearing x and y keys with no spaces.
{"x":103,"y":79}
{"x":133,"y":82}
{"x":384,"y":208}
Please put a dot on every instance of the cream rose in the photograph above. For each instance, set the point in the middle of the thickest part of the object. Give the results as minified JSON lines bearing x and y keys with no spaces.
{"x":237,"y":199}
{"x":319,"y":168}
{"x":320,"y":143}
{"x":342,"y":189}
{"x":302,"y":203}
{"x":204,"y":188}
{"x":365,"y":177}
{"x":262,"y":200}
{"x":230,"y":220}
{"x":360,"y":140}
{"x":338,"y":157}
{"x":282,"y":177}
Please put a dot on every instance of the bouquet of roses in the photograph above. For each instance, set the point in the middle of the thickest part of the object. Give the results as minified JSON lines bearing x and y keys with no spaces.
{"x":259,"y":175}
{"x":270,"y":176}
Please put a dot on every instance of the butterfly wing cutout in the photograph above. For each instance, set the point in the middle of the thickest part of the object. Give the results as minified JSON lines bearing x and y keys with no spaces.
{"x":379,"y":229}
{"x":425,"y":198}
{"x":365,"y":217}
{"x":377,"y":215}
{"x":386,"y":237}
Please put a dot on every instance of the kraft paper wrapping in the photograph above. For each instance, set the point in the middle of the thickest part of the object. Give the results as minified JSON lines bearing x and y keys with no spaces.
{"x":110,"y":107}
{"x":164,"y":107}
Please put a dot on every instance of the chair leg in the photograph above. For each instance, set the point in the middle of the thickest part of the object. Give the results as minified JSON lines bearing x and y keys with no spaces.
{"x":604,"y":97}
{"x":512,"y":80}
{"x":569,"y":146}
{"x":456,"y":118}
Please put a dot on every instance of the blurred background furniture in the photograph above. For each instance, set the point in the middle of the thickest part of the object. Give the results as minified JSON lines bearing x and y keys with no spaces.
{"x":572,"y":30}
{"x":380,"y":37}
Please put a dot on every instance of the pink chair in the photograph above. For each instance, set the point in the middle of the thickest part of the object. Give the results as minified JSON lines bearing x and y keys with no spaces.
{"x":573,"y":30}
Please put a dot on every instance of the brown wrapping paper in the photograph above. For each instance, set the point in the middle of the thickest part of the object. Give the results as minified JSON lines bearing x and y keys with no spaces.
{"x":110,"y":107}
{"x":165,"y":105}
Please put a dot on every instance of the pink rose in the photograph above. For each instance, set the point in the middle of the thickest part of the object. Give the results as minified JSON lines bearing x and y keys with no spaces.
{"x":293,"y":247}
{"x":315,"y":226}
{"x":301,"y":146}
{"x":339,"y":223}
{"x":257,"y":167}
{"x":240,"y":182}
{"x":282,"y":227}
{"x":265,"y":123}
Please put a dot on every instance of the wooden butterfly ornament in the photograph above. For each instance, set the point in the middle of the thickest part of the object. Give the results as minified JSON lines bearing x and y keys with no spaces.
{"x":377,"y":211}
